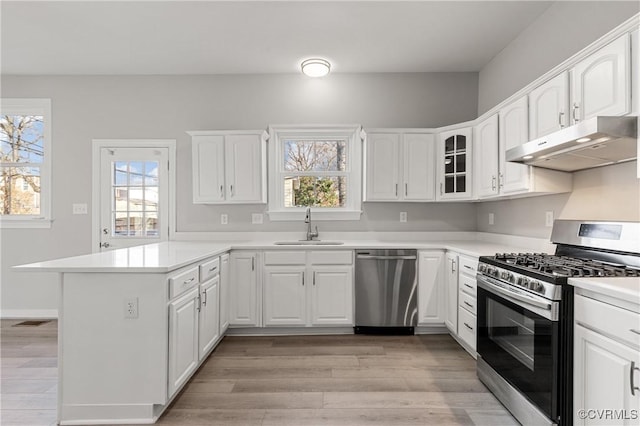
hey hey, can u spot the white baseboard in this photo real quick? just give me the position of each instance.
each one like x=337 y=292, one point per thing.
x=29 y=313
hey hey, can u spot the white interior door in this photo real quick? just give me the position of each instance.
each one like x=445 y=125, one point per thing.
x=133 y=196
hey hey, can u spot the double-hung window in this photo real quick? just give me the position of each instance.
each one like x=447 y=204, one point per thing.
x=25 y=163
x=318 y=167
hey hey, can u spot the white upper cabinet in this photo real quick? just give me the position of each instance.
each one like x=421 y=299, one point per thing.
x=486 y=168
x=549 y=106
x=229 y=167
x=400 y=166
x=383 y=166
x=454 y=164
x=513 y=131
x=601 y=83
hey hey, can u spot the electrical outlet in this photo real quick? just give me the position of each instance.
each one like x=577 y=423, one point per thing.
x=131 y=307
x=79 y=209
x=548 y=219
x=257 y=218
x=492 y=219
x=403 y=216
x=224 y=219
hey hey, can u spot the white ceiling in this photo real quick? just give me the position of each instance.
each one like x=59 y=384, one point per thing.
x=239 y=37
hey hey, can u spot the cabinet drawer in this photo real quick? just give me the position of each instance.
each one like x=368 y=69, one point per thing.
x=209 y=269
x=183 y=281
x=611 y=320
x=467 y=302
x=468 y=285
x=468 y=265
x=285 y=257
x=467 y=327
x=331 y=257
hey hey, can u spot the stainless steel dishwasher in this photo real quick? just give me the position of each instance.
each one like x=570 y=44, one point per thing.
x=386 y=291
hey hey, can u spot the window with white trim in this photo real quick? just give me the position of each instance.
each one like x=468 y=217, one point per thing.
x=318 y=167
x=25 y=163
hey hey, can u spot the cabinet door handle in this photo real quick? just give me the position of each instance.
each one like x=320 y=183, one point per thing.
x=253 y=263
x=231 y=190
x=561 y=119
x=634 y=331
x=396 y=189
x=453 y=265
x=314 y=277
x=468 y=326
x=199 y=302
x=468 y=304
x=303 y=279
x=631 y=370
x=204 y=302
x=576 y=107
x=406 y=189
x=440 y=188
x=221 y=191
x=468 y=286
x=493 y=183
x=500 y=180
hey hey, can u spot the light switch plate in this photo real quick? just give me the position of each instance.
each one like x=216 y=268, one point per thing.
x=492 y=219
x=257 y=218
x=224 y=219
x=548 y=219
x=403 y=216
x=80 y=208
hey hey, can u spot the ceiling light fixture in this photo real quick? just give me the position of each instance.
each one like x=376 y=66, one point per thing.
x=315 y=67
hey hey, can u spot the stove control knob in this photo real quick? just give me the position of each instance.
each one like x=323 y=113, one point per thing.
x=525 y=282
x=507 y=276
x=539 y=288
x=482 y=267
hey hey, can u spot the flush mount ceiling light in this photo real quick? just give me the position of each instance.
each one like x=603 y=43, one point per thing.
x=315 y=67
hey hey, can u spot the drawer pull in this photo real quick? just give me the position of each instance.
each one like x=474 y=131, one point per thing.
x=468 y=286
x=634 y=331
x=213 y=269
x=468 y=304
x=468 y=267
x=631 y=370
x=468 y=326
x=190 y=280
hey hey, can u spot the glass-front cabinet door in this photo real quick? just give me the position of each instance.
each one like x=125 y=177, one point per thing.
x=454 y=165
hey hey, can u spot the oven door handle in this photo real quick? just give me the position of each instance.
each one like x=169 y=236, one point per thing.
x=539 y=306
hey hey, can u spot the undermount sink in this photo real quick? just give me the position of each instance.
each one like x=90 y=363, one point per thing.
x=308 y=243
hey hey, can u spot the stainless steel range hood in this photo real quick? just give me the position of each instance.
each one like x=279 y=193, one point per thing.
x=598 y=141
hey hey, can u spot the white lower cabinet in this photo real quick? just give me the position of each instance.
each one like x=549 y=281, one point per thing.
x=308 y=288
x=332 y=295
x=467 y=290
x=285 y=295
x=209 y=322
x=183 y=338
x=431 y=300
x=243 y=292
x=451 y=292
x=224 y=293
x=606 y=363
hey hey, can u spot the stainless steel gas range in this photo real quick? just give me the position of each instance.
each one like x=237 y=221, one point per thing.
x=525 y=315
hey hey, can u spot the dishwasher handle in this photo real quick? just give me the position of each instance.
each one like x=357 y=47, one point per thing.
x=366 y=256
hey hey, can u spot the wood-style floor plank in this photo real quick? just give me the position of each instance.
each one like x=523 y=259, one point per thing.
x=346 y=380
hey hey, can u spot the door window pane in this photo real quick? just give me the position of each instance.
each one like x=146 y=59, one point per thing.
x=135 y=199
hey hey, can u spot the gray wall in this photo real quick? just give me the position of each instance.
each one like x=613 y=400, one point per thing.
x=561 y=31
x=86 y=108
x=604 y=193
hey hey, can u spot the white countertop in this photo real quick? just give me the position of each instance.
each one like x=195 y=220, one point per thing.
x=168 y=256
x=622 y=288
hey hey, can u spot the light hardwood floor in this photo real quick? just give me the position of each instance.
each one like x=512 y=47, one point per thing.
x=309 y=380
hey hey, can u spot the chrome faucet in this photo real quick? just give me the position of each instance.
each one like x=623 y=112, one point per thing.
x=307 y=219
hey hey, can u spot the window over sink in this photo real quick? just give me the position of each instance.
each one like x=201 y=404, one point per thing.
x=317 y=167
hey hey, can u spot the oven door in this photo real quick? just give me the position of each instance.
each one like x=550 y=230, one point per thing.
x=518 y=336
